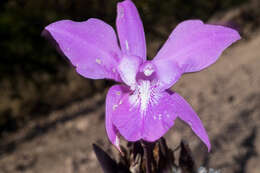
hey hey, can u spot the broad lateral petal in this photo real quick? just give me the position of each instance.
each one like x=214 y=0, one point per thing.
x=130 y=30
x=114 y=95
x=188 y=115
x=195 y=45
x=91 y=46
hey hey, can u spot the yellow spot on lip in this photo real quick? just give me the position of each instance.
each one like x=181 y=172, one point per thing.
x=118 y=93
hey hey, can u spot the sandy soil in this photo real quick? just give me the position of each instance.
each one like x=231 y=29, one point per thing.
x=226 y=96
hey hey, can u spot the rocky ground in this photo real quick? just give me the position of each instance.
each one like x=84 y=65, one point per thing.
x=226 y=96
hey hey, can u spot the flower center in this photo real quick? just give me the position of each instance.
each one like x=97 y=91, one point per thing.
x=145 y=93
x=147 y=68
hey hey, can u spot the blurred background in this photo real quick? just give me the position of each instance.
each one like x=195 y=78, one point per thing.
x=50 y=116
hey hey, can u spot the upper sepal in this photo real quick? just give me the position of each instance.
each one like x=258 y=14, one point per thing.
x=130 y=30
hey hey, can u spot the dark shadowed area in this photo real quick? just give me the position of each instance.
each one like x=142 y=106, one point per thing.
x=50 y=116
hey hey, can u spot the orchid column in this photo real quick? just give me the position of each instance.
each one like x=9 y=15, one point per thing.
x=141 y=106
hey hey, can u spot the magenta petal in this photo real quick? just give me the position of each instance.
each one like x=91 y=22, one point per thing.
x=128 y=68
x=159 y=118
x=168 y=72
x=114 y=95
x=91 y=46
x=188 y=115
x=135 y=123
x=127 y=119
x=130 y=30
x=195 y=46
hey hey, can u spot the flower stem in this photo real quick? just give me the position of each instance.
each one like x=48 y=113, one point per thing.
x=148 y=155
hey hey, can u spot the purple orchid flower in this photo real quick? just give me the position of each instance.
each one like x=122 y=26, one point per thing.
x=141 y=107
